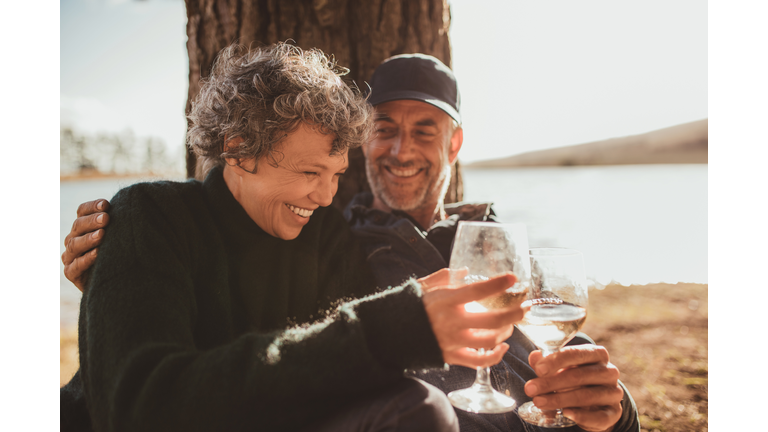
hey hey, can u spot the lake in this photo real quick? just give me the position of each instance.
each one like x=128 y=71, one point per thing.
x=635 y=224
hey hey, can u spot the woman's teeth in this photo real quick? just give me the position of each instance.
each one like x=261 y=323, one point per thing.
x=300 y=211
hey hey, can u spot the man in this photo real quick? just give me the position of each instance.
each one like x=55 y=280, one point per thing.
x=407 y=230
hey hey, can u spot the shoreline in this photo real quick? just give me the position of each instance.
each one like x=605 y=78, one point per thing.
x=107 y=176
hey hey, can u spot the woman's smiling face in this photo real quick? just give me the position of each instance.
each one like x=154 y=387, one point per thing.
x=281 y=199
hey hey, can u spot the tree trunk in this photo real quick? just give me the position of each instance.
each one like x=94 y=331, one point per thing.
x=359 y=34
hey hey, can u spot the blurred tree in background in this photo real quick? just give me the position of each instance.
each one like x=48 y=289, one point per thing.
x=359 y=34
x=74 y=150
x=114 y=154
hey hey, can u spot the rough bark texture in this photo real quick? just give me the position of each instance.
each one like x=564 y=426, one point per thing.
x=360 y=34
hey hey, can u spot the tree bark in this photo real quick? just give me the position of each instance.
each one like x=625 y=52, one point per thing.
x=359 y=34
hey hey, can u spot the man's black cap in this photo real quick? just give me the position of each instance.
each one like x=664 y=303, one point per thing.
x=418 y=77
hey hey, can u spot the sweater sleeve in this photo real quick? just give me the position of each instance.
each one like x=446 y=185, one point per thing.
x=142 y=368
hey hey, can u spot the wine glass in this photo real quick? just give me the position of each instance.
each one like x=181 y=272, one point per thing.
x=558 y=298
x=488 y=249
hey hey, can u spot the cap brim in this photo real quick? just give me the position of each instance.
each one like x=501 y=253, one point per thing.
x=418 y=96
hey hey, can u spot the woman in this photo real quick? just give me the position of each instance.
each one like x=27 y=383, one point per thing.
x=242 y=302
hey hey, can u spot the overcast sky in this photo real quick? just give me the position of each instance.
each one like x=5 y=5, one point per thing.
x=532 y=75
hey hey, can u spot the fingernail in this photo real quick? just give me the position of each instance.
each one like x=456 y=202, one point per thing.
x=100 y=218
x=96 y=234
x=94 y=252
x=531 y=389
x=100 y=205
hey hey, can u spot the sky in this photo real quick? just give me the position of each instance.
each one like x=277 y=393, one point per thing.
x=541 y=74
x=532 y=75
x=124 y=65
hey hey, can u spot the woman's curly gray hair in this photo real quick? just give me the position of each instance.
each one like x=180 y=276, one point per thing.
x=261 y=95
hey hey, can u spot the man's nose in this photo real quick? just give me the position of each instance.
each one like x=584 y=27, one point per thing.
x=401 y=146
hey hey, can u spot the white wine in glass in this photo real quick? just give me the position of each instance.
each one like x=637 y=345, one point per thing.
x=558 y=299
x=488 y=249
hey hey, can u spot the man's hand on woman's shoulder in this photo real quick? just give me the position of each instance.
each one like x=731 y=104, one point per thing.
x=81 y=244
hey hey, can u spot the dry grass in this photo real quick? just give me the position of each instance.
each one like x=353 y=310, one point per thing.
x=68 y=354
x=656 y=334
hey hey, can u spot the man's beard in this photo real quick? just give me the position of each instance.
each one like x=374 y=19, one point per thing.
x=436 y=183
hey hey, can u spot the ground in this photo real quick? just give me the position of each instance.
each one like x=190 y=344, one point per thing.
x=657 y=337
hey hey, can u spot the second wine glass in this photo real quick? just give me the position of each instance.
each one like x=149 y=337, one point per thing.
x=558 y=297
x=488 y=249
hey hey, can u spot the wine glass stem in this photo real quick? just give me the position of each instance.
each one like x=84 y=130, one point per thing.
x=483 y=377
x=558 y=411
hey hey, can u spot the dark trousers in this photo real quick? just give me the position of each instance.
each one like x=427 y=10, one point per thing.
x=410 y=405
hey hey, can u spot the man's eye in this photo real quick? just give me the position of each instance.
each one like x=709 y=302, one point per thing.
x=310 y=173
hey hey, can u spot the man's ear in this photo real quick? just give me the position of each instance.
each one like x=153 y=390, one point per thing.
x=456 y=140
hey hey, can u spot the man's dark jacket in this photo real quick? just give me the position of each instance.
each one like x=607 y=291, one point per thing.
x=397 y=248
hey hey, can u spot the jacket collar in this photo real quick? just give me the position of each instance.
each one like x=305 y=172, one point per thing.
x=359 y=210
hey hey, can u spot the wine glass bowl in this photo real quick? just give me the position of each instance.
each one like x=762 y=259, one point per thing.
x=487 y=249
x=558 y=296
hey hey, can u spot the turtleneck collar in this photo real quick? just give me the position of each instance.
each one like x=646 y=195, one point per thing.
x=231 y=216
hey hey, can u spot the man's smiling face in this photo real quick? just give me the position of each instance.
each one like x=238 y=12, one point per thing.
x=408 y=160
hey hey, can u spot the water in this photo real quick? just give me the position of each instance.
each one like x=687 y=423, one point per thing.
x=635 y=224
x=71 y=195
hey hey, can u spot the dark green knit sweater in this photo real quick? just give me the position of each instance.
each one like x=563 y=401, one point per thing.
x=197 y=320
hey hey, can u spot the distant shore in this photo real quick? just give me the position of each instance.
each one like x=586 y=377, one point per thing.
x=657 y=335
x=96 y=175
x=680 y=144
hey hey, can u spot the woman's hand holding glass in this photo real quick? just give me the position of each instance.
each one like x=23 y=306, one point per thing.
x=491 y=269
x=461 y=334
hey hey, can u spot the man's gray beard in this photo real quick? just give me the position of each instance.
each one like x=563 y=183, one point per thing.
x=419 y=199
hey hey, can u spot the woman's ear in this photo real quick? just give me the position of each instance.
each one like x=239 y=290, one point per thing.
x=231 y=144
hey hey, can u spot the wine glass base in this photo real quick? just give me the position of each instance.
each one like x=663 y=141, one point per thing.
x=548 y=419
x=480 y=400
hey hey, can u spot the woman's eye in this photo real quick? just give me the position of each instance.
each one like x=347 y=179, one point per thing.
x=310 y=173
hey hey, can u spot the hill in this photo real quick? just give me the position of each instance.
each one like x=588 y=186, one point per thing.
x=685 y=143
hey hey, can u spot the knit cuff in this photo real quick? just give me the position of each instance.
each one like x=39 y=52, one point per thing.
x=397 y=329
